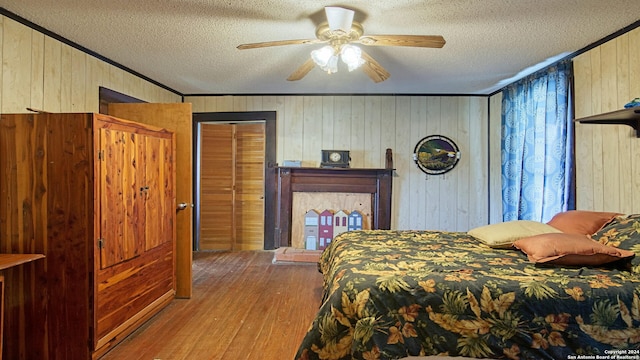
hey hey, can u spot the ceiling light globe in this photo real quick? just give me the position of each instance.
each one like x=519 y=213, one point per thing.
x=322 y=56
x=352 y=56
x=332 y=65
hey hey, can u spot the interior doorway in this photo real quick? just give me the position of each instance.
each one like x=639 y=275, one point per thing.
x=231 y=186
x=234 y=182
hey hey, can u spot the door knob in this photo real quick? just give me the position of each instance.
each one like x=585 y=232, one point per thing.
x=182 y=206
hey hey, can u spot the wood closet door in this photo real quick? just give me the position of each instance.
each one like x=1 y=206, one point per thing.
x=216 y=187
x=232 y=187
x=249 y=185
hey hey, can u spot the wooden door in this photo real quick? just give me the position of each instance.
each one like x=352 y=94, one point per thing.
x=232 y=186
x=216 y=187
x=176 y=117
x=249 y=185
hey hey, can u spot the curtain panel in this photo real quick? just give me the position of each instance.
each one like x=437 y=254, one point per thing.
x=537 y=145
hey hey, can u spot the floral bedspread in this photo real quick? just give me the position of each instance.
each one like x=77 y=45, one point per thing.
x=392 y=294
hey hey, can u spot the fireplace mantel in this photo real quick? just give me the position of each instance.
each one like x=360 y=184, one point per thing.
x=376 y=182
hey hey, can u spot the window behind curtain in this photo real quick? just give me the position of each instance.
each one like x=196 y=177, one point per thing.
x=537 y=145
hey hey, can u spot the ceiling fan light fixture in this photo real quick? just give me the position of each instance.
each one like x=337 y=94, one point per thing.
x=339 y=31
x=352 y=56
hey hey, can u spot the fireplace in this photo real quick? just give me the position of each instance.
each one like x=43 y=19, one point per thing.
x=374 y=182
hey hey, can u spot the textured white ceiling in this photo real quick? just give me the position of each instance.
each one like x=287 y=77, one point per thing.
x=190 y=45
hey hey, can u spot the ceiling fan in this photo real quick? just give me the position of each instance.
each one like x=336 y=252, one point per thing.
x=340 y=32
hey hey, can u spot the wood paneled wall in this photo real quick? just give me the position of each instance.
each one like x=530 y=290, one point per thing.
x=607 y=156
x=43 y=73
x=368 y=125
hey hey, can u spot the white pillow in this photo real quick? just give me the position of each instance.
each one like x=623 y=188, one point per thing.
x=502 y=235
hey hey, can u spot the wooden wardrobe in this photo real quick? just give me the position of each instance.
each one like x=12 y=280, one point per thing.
x=95 y=195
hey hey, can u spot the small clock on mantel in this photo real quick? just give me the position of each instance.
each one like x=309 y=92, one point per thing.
x=335 y=159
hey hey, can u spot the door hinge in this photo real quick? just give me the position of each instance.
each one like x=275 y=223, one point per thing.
x=100 y=154
x=100 y=243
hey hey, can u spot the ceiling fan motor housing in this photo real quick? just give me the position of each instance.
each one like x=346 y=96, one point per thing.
x=339 y=37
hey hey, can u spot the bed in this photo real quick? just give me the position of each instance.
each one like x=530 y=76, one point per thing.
x=394 y=294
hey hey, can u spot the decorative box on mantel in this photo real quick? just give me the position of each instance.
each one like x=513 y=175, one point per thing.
x=376 y=182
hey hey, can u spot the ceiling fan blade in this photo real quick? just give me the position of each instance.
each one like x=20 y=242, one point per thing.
x=339 y=18
x=302 y=70
x=278 y=43
x=373 y=69
x=430 y=41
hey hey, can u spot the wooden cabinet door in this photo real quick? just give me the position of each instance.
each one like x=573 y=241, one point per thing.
x=136 y=190
x=120 y=235
x=156 y=193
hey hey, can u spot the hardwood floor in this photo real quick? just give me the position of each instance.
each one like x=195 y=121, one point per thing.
x=243 y=307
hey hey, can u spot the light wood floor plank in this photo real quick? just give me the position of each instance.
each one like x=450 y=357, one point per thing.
x=243 y=307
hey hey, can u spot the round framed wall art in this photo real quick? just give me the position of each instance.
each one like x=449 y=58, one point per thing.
x=436 y=154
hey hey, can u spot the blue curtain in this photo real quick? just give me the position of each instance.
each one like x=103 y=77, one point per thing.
x=537 y=145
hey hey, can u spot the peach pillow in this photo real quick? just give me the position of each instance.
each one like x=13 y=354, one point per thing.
x=502 y=235
x=569 y=249
x=581 y=221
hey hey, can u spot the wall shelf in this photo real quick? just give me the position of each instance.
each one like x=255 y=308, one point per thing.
x=630 y=117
